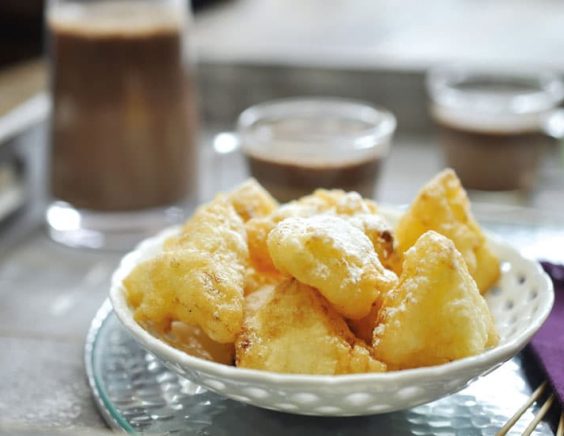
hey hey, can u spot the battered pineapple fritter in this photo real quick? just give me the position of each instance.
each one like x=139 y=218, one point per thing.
x=292 y=329
x=347 y=205
x=199 y=277
x=443 y=206
x=436 y=314
x=333 y=256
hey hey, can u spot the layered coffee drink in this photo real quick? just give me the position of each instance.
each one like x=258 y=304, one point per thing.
x=123 y=125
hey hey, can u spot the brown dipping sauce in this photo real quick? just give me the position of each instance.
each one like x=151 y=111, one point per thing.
x=494 y=160
x=123 y=126
x=290 y=180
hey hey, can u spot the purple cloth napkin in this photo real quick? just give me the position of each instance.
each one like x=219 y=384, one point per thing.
x=548 y=344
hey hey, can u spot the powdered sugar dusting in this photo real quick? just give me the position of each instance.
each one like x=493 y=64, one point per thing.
x=340 y=233
x=370 y=223
x=337 y=232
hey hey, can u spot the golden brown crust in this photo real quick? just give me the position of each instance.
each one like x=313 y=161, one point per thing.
x=292 y=329
x=443 y=206
x=251 y=200
x=363 y=328
x=348 y=205
x=436 y=313
x=333 y=256
x=199 y=277
x=202 y=293
x=194 y=341
x=255 y=280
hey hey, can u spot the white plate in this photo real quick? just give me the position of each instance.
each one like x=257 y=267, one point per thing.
x=520 y=303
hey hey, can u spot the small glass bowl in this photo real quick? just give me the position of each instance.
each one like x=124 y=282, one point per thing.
x=294 y=146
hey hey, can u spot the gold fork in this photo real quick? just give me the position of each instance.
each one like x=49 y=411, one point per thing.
x=538 y=417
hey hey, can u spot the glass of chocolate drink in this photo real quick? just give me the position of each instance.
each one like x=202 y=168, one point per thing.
x=123 y=125
x=293 y=146
x=493 y=123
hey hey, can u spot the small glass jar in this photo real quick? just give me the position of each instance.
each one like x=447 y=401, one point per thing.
x=493 y=123
x=123 y=124
x=293 y=146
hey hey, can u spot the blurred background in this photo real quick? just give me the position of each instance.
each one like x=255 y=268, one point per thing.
x=383 y=33
x=363 y=33
x=246 y=52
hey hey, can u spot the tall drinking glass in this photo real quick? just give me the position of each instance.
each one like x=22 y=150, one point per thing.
x=123 y=129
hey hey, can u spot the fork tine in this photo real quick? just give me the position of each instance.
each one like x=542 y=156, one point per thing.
x=536 y=394
x=539 y=415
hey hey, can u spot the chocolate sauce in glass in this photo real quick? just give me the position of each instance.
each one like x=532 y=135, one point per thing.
x=493 y=137
x=123 y=127
x=294 y=154
x=494 y=160
x=290 y=180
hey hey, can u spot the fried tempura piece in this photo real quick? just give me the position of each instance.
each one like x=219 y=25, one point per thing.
x=251 y=200
x=257 y=235
x=335 y=257
x=255 y=280
x=259 y=228
x=199 y=277
x=292 y=329
x=335 y=202
x=436 y=314
x=363 y=328
x=380 y=234
x=443 y=206
x=192 y=340
x=339 y=201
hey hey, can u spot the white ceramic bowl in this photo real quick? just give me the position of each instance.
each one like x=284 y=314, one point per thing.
x=520 y=304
